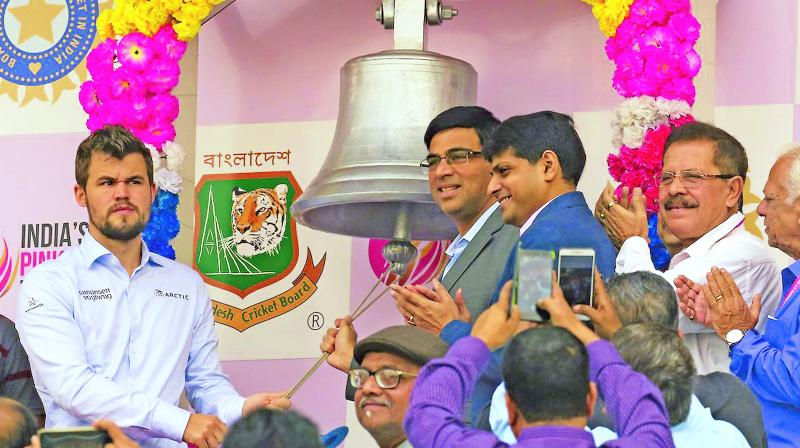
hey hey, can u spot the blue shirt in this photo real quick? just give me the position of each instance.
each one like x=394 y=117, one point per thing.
x=103 y=344
x=457 y=247
x=770 y=364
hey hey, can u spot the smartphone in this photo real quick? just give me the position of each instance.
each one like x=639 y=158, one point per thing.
x=532 y=281
x=576 y=276
x=83 y=437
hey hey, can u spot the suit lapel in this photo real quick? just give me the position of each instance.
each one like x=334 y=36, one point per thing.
x=474 y=248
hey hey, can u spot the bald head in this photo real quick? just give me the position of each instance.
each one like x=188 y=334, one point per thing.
x=17 y=425
x=780 y=206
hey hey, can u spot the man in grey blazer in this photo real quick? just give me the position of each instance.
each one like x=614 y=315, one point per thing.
x=459 y=178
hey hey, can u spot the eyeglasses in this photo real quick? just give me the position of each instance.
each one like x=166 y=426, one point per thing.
x=689 y=178
x=386 y=378
x=454 y=157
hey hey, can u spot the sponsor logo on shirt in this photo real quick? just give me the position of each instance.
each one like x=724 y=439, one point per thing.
x=33 y=304
x=170 y=295
x=95 y=295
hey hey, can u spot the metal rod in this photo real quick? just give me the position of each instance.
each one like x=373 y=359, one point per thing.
x=360 y=309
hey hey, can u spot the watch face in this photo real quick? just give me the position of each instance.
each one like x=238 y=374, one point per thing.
x=734 y=336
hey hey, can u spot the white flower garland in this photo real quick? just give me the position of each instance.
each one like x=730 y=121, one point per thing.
x=634 y=116
x=167 y=178
x=175 y=155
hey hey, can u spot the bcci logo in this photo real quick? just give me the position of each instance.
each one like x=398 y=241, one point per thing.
x=42 y=41
x=8 y=269
x=246 y=239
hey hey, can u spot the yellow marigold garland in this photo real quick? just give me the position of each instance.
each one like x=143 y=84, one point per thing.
x=610 y=14
x=147 y=17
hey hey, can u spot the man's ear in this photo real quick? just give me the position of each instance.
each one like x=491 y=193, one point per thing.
x=735 y=191
x=153 y=190
x=551 y=166
x=512 y=410
x=591 y=399
x=80 y=195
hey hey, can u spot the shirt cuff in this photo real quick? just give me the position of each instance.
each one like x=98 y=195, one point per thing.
x=170 y=421
x=633 y=249
x=454 y=331
x=232 y=410
x=747 y=341
x=471 y=350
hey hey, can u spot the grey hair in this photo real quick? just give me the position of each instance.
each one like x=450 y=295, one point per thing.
x=659 y=353
x=643 y=297
x=792 y=180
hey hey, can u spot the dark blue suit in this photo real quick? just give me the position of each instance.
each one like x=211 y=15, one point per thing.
x=565 y=222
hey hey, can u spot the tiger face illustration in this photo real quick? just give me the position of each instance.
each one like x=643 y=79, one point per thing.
x=258 y=219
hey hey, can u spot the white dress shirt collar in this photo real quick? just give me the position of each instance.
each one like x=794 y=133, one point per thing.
x=476 y=227
x=92 y=250
x=459 y=244
x=530 y=220
x=712 y=237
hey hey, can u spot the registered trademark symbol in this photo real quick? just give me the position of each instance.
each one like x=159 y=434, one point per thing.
x=315 y=320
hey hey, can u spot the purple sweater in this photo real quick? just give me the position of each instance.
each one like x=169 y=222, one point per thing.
x=434 y=415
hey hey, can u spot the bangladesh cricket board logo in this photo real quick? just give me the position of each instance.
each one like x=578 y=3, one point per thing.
x=245 y=240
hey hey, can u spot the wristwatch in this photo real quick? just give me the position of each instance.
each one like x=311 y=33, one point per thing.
x=732 y=337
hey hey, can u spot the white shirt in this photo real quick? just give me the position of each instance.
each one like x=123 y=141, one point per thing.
x=727 y=246
x=699 y=430
x=103 y=344
x=532 y=218
x=457 y=247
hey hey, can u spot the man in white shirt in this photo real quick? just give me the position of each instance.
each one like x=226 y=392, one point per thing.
x=114 y=331
x=700 y=197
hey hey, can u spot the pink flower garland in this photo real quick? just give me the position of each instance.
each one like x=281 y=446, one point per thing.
x=131 y=84
x=653 y=50
x=641 y=167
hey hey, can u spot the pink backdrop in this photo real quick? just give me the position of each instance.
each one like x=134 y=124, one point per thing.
x=280 y=61
x=270 y=61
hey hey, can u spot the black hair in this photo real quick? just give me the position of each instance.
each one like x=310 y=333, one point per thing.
x=275 y=429
x=115 y=141
x=529 y=136
x=471 y=117
x=546 y=371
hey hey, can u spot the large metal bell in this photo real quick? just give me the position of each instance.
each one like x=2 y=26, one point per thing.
x=371 y=175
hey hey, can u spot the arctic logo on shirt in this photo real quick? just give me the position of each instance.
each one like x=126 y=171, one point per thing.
x=33 y=304
x=170 y=295
x=96 y=294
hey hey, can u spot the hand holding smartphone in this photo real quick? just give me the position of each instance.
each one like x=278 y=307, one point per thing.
x=576 y=276
x=532 y=282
